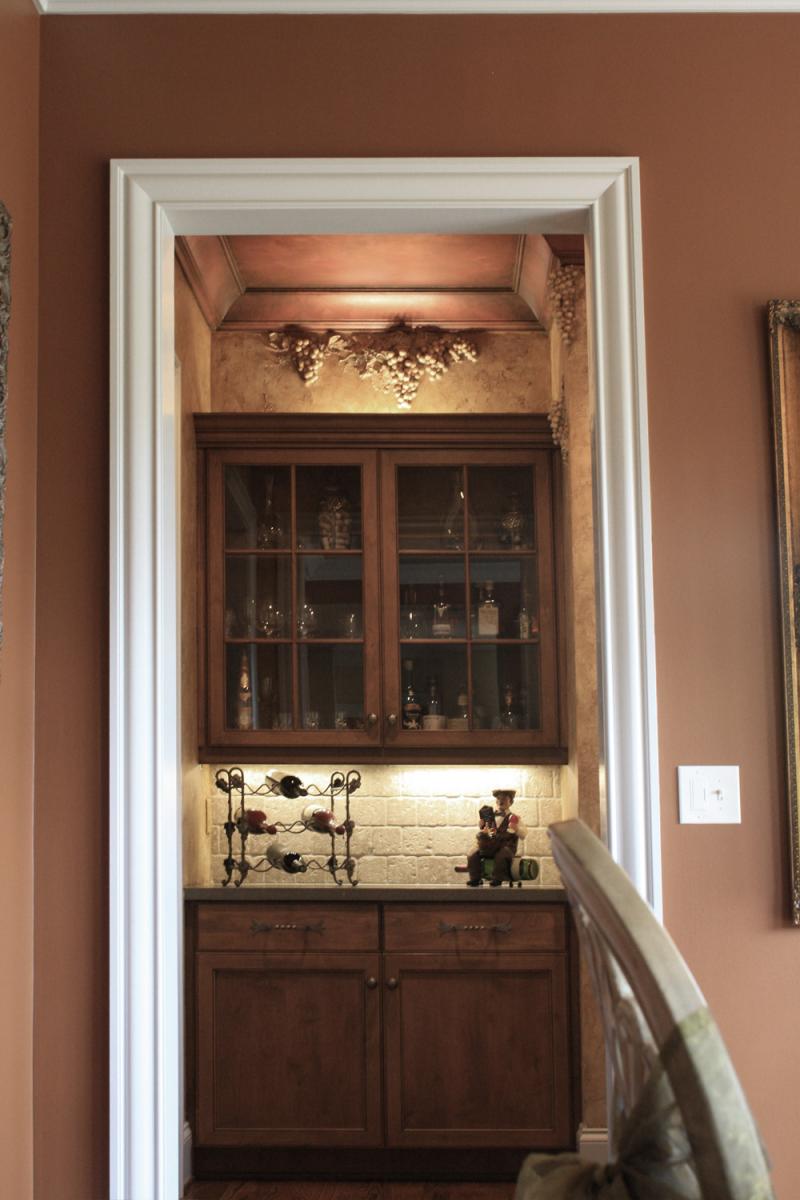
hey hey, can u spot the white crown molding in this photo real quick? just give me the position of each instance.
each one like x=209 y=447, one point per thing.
x=151 y=202
x=409 y=7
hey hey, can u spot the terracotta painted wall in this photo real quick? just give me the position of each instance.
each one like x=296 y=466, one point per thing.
x=709 y=104
x=19 y=168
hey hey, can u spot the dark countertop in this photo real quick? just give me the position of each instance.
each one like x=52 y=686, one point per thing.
x=387 y=893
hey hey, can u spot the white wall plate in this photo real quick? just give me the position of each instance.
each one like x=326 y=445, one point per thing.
x=709 y=796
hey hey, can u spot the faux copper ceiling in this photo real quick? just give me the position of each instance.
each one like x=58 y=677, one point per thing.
x=367 y=281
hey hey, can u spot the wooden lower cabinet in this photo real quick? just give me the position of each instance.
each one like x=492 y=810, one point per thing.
x=462 y=1040
x=289 y=1049
x=476 y=1050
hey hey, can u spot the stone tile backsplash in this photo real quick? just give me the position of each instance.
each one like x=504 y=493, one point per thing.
x=413 y=824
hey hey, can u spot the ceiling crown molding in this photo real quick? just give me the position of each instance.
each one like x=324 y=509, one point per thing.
x=409 y=7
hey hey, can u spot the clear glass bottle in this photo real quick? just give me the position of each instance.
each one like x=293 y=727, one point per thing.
x=508 y=713
x=411 y=621
x=434 y=699
x=412 y=709
x=462 y=703
x=442 y=621
x=269 y=534
x=488 y=613
x=524 y=621
x=453 y=528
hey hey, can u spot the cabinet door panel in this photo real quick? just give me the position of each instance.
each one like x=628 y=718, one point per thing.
x=477 y=1050
x=291 y=599
x=469 y=599
x=288 y=1049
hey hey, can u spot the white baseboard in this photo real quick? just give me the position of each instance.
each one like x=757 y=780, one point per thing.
x=186 y=1163
x=593 y=1144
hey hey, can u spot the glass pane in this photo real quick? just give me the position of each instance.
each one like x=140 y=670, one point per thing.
x=504 y=599
x=258 y=596
x=257 y=507
x=430 y=508
x=434 y=687
x=258 y=687
x=329 y=601
x=505 y=687
x=501 y=508
x=432 y=597
x=331 y=686
x=328 y=508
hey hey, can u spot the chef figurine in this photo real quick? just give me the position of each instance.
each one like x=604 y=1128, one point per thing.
x=498 y=836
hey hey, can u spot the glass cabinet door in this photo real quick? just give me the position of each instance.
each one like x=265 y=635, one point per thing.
x=293 y=621
x=469 y=604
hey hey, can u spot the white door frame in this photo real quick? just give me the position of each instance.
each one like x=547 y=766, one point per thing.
x=151 y=202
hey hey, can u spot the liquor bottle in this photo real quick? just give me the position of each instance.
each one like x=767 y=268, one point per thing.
x=411 y=620
x=442 y=624
x=286 y=860
x=508 y=713
x=434 y=699
x=288 y=785
x=244 y=701
x=462 y=703
x=512 y=528
x=314 y=816
x=524 y=621
x=412 y=709
x=453 y=529
x=488 y=613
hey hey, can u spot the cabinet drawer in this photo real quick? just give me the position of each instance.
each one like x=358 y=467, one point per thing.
x=246 y=926
x=471 y=927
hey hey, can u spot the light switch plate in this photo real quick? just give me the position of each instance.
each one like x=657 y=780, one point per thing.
x=709 y=796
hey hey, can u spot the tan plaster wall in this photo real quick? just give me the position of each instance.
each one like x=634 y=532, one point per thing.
x=193 y=351
x=511 y=375
x=19 y=149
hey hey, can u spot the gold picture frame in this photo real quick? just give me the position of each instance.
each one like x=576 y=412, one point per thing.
x=784 y=335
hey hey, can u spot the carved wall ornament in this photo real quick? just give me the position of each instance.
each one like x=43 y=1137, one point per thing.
x=784 y=312
x=557 y=416
x=5 y=312
x=563 y=292
x=396 y=361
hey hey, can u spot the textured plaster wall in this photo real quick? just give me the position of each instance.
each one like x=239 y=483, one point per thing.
x=413 y=824
x=193 y=351
x=511 y=375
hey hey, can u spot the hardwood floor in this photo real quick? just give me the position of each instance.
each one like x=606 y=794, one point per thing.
x=349 y=1191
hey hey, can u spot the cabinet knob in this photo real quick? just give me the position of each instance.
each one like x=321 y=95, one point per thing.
x=391 y=983
x=391 y=720
x=372 y=720
x=372 y=983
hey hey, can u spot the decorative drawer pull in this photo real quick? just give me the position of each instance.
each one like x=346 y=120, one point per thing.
x=372 y=983
x=268 y=927
x=392 y=983
x=447 y=927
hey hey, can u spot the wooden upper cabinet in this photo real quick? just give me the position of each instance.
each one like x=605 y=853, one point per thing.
x=383 y=586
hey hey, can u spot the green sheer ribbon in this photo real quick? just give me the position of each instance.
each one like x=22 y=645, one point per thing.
x=654 y=1157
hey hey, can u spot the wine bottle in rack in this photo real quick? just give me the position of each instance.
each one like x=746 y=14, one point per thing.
x=286 y=860
x=288 y=785
x=316 y=816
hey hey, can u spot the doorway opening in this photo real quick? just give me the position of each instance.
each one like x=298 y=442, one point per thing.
x=154 y=202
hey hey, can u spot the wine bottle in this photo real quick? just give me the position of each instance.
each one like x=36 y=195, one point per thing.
x=285 y=860
x=434 y=699
x=288 y=785
x=255 y=821
x=453 y=530
x=508 y=713
x=314 y=816
x=412 y=709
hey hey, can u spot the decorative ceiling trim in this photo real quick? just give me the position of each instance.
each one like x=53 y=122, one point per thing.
x=409 y=7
